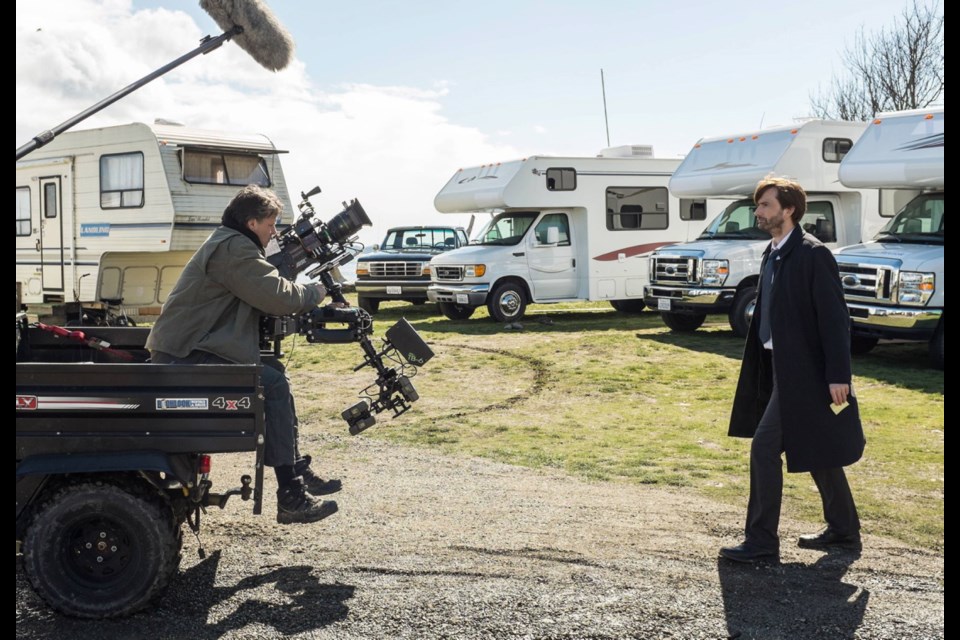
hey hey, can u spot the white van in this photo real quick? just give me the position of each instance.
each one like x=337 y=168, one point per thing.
x=148 y=194
x=563 y=229
x=718 y=272
x=894 y=284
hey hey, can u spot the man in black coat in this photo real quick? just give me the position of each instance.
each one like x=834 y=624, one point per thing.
x=794 y=395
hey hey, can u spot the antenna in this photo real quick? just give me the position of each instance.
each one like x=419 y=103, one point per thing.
x=606 y=122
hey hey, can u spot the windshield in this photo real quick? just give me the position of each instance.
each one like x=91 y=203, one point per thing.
x=737 y=221
x=420 y=240
x=920 y=221
x=506 y=228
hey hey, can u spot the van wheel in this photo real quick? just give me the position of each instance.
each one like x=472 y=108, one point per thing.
x=683 y=322
x=456 y=311
x=370 y=305
x=741 y=312
x=860 y=345
x=628 y=306
x=507 y=303
x=936 y=346
x=95 y=550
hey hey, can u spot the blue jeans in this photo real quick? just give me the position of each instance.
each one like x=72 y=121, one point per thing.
x=280 y=445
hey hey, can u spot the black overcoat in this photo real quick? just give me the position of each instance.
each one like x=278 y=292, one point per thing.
x=811 y=338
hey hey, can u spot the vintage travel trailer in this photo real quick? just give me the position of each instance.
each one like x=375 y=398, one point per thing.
x=894 y=283
x=718 y=272
x=564 y=228
x=146 y=194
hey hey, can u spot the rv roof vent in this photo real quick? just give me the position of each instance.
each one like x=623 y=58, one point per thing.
x=627 y=151
x=169 y=123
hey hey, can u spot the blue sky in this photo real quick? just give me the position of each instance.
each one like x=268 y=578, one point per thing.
x=386 y=100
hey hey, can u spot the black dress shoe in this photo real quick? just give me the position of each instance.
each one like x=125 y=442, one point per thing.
x=749 y=553
x=828 y=538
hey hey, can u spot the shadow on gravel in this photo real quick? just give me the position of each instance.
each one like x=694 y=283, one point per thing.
x=287 y=599
x=792 y=601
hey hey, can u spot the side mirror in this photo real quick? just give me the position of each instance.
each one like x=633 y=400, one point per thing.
x=375 y=246
x=553 y=235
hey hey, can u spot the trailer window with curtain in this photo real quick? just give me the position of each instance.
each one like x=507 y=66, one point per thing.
x=23 y=211
x=215 y=167
x=121 y=181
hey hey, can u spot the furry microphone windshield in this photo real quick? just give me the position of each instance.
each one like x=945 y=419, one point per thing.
x=263 y=37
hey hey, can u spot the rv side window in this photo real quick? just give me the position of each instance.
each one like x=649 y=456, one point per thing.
x=214 y=167
x=835 y=148
x=23 y=211
x=818 y=220
x=637 y=208
x=561 y=179
x=121 y=181
x=693 y=209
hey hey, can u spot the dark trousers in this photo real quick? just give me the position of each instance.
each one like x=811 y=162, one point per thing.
x=280 y=444
x=766 y=485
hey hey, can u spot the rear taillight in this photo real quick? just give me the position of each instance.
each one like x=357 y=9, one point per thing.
x=204 y=466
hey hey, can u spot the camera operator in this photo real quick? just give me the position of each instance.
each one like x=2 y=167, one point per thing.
x=212 y=316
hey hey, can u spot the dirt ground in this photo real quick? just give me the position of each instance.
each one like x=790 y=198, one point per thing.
x=430 y=546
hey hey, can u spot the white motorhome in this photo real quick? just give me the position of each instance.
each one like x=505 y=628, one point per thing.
x=564 y=229
x=718 y=272
x=894 y=284
x=147 y=194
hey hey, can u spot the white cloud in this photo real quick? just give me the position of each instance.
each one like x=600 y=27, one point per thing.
x=390 y=147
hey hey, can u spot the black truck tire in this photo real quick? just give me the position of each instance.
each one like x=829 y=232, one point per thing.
x=741 y=311
x=370 y=305
x=936 y=347
x=456 y=311
x=860 y=345
x=683 y=322
x=507 y=303
x=628 y=306
x=95 y=550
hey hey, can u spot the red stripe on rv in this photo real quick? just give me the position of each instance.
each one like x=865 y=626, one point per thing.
x=629 y=252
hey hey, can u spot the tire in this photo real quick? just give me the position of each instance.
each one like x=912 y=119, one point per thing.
x=682 y=322
x=370 y=305
x=507 y=303
x=862 y=344
x=741 y=312
x=456 y=311
x=94 y=550
x=635 y=305
x=936 y=346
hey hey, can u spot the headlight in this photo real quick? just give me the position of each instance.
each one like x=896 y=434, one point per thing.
x=425 y=270
x=474 y=270
x=363 y=269
x=915 y=288
x=715 y=272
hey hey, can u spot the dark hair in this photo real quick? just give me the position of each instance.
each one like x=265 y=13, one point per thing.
x=789 y=194
x=251 y=203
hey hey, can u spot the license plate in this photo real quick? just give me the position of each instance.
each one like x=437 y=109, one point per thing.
x=663 y=304
x=394 y=291
x=463 y=298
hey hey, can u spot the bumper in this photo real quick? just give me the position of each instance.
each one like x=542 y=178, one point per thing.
x=473 y=295
x=676 y=299
x=392 y=289
x=894 y=321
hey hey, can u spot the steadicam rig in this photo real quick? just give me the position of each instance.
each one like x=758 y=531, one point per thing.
x=318 y=248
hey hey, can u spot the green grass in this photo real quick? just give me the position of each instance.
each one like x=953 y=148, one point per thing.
x=619 y=398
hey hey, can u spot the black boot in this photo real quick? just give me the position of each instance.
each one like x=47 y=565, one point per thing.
x=296 y=505
x=315 y=484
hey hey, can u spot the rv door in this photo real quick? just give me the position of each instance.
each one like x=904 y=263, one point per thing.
x=51 y=236
x=551 y=257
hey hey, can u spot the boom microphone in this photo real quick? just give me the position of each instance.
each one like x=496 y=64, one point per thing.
x=263 y=37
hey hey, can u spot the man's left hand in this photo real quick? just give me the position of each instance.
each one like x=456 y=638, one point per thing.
x=839 y=393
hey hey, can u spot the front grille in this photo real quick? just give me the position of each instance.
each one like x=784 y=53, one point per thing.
x=867 y=282
x=674 y=270
x=395 y=269
x=448 y=273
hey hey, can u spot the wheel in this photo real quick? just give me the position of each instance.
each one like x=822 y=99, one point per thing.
x=683 y=322
x=507 y=303
x=95 y=550
x=862 y=344
x=456 y=311
x=741 y=312
x=370 y=305
x=628 y=306
x=936 y=346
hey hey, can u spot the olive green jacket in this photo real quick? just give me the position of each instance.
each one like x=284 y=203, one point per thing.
x=217 y=302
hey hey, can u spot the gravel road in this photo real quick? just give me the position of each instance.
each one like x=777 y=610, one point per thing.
x=430 y=546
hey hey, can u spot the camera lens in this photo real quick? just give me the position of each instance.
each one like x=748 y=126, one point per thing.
x=348 y=222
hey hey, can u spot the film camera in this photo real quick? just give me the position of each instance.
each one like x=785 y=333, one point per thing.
x=317 y=248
